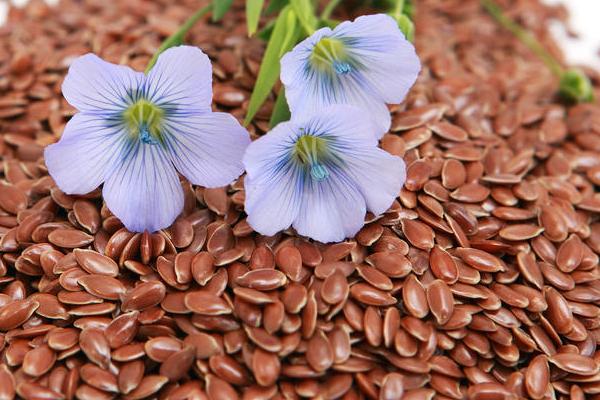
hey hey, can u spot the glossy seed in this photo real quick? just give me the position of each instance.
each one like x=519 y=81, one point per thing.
x=206 y=303
x=335 y=288
x=419 y=234
x=367 y=294
x=414 y=297
x=575 y=363
x=266 y=367
x=143 y=296
x=69 y=238
x=319 y=353
x=38 y=361
x=440 y=300
x=95 y=346
x=558 y=311
x=537 y=377
x=569 y=254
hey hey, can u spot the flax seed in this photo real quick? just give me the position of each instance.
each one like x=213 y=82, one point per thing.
x=480 y=280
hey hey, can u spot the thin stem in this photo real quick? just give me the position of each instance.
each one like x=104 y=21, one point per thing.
x=398 y=9
x=177 y=38
x=523 y=35
x=329 y=8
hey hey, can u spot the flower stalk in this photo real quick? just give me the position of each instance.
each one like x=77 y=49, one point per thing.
x=574 y=85
x=404 y=22
x=177 y=38
x=329 y=9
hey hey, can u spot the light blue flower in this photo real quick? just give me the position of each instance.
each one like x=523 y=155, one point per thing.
x=134 y=132
x=366 y=63
x=320 y=175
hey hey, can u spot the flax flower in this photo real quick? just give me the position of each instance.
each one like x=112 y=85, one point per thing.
x=366 y=63
x=320 y=175
x=134 y=132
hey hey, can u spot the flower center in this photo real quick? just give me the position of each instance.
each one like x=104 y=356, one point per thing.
x=311 y=152
x=144 y=121
x=330 y=54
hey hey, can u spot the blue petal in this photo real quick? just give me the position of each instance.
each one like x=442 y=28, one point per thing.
x=206 y=148
x=143 y=190
x=87 y=149
x=309 y=95
x=96 y=86
x=384 y=68
x=293 y=63
x=378 y=175
x=332 y=209
x=391 y=65
x=349 y=126
x=272 y=183
x=181 y=81
x=332 y=206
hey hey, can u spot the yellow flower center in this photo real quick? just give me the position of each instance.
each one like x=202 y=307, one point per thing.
x=144 y=121
x=330 y=54
x=311 y=152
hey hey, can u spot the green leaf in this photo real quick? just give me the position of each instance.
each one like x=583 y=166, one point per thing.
x=291 y=36
x=330 y=23
x=331 y=5
x=306 y=14
x=266 y=31
x=285 y=34
x=177 y=38
x=281 y=111
x=220 y=8
x=276 y=6
x=409 y=9
x=253 y=9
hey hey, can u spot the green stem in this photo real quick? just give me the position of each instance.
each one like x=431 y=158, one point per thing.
x=329 y=8
x=398 y=9
x=523 y=35
x=177 y=38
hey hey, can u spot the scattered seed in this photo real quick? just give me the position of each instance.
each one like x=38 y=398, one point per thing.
x=480 y=281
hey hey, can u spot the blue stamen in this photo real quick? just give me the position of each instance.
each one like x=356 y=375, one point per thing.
x=318 y=172
x=341 y=67
x=145 y=135
x=313 y=153
x=144 y=121
x=331 y=55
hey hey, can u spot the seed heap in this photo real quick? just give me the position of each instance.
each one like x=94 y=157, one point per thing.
x=480 y=282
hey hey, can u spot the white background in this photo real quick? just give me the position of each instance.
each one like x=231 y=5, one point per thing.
x=585 y=21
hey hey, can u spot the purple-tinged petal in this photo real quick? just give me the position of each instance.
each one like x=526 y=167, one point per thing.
x=143 y=190
x=331 y=210
x=377 y=174
x=314 y=98
x=391 y=63
x=96 y=86
x=86 y=151
x=206 y=148
x=321 y=174
x=349 y=125
x=181 y=81
x=293 y=63
x=369 y=64
x=273 y=185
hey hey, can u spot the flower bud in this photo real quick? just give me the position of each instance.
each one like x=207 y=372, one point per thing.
x=575 y=86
